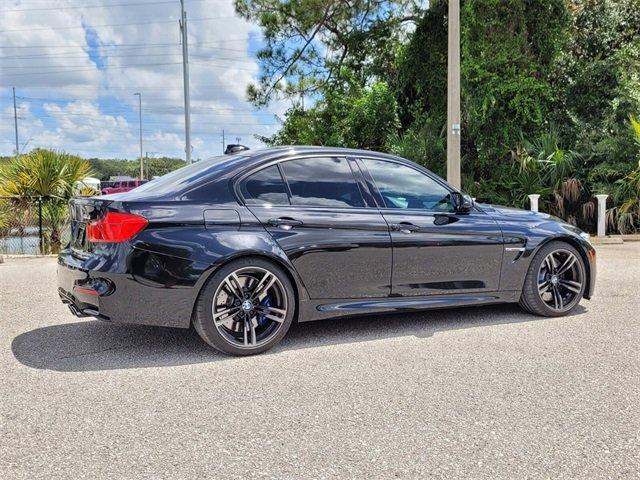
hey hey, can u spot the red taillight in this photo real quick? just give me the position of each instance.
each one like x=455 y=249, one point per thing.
x=115 y=227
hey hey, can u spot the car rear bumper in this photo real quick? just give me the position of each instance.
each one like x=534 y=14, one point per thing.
x=130 y=286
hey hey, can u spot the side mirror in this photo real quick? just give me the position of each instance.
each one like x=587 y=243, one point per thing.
x=461 y=203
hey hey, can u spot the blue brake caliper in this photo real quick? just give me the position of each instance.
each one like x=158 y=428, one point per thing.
x=265 y=303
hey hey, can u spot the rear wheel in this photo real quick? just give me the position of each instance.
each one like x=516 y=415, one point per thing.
x=246 y=307
x=555 y=282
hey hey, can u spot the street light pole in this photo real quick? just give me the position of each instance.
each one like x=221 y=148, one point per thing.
x=15 y=121
x=140 y=118
x=185 y=81
x=453 y=95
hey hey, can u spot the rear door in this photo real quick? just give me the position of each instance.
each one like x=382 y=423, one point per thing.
x=435 y=249
x=315 y=210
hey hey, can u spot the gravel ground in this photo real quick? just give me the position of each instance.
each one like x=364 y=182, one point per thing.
x=485 y=392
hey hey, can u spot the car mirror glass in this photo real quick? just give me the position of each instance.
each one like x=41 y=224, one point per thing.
x=461 y=203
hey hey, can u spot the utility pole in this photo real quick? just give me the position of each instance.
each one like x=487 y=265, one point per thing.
x=185 y=79
x=223 y=143
x=15 y=121
x=453 y=95
x=140 y=118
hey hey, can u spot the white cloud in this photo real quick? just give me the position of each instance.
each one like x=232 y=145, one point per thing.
x=71 y=102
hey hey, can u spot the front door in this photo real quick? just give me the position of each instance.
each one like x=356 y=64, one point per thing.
x=435 y=249
x=314 y=209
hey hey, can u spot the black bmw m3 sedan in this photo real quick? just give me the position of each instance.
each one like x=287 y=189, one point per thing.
x=242 y=246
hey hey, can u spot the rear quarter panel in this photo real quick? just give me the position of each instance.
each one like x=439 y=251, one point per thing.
x=175 y=255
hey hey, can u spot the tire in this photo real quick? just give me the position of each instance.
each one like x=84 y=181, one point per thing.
x=548 y=297
x=238 y=330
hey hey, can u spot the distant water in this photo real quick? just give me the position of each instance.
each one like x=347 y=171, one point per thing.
x=28 y=244
x=20 y=245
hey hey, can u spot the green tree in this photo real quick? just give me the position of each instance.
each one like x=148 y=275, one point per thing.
x=358 y=118
x=508 y=52
x=308 y=42
x=599 y=81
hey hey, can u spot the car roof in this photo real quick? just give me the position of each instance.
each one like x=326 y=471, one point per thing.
x=223 y=168
x=304 y=149
x=263 y=155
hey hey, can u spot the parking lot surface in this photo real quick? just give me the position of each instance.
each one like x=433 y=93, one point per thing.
x=486 y=392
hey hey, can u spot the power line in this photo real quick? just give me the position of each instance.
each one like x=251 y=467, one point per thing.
x=102 y=115
x=128 y=88
x=48 y=109
x=105 y=5
x=42 y=69
x=55 y=72
x=116 y=55
x=115 y=24
x=168 y=110
x=42 y=9
x=165 y=108
x=83 y=55
x=233 y=60
x=39 y=67
x=119 y=45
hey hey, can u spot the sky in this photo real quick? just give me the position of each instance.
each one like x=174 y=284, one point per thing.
x=76 y=65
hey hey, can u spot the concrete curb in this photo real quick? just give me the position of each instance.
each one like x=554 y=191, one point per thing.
x=606 y=241
x=8 y=256
x=615 y=239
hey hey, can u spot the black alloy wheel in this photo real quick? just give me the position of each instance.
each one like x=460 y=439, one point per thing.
x=555 y=282
x=246 y=307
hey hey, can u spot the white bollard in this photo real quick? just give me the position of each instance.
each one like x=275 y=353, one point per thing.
x=533 y=201
x=602 y=210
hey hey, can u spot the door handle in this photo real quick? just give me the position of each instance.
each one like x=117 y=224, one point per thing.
x=404 y=227
x=286 y=223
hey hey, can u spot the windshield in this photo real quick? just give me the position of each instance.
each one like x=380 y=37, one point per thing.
x=185 y=176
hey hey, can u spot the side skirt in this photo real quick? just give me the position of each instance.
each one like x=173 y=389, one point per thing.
x=327 y=308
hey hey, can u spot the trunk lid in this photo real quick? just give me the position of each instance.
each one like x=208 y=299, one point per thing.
x=83 y=210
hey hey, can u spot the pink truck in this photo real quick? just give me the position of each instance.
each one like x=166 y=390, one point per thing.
x=123 y=186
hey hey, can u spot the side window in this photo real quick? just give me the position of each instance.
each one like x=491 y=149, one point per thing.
x=322 y=182
x=265 y=187
x=405 y=187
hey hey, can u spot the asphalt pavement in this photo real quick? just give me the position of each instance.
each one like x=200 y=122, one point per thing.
x=480 y=393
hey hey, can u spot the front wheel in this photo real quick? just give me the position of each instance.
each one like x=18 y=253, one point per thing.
x=246 y=307
x=555 y=282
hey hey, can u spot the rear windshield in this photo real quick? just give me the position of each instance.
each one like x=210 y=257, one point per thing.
x=186 y=176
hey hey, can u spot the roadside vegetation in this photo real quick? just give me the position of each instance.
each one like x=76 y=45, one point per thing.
x=39 y=183
x=35 y=189
x=550 y=91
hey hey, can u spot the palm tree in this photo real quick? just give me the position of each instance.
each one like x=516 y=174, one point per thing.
x=43 y=173
x=551 y=170
x=626 y=215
